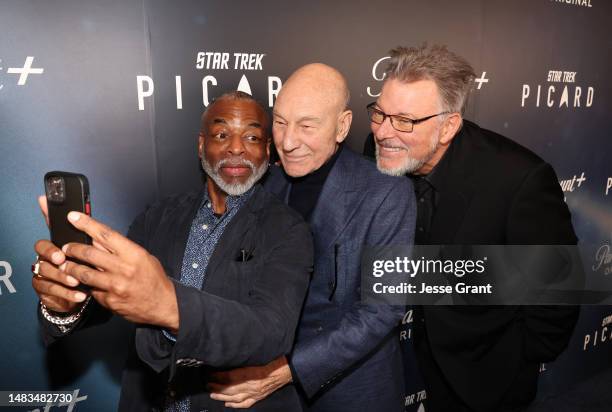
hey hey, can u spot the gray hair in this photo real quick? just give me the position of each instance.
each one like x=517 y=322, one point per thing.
x=452 y=73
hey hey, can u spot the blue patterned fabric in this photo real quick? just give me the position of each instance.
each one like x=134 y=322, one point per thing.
x=206 y=230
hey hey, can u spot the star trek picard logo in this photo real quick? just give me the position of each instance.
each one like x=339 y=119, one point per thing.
x=600 y=337
x=210 y=62
x=562 y=90
x=414 y=398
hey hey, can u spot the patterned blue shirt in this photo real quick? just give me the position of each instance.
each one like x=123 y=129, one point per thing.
x=206 y=230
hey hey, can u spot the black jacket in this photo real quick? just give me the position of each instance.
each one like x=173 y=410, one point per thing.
x=245 y=314
x=493 y=191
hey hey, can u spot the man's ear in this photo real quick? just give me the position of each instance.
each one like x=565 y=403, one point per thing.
x=451 y=126
x=344 y=125
x=201 y=140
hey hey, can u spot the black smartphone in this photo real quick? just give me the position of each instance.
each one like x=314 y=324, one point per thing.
x=67 y=192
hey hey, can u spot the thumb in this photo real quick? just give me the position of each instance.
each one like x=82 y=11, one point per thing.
x=42 y=202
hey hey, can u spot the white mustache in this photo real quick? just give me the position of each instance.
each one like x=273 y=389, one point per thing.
x=234 y=163
x=389 y=145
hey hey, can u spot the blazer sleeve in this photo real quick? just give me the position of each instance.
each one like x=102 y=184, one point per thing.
x=539 y=216
x=317 y=362
x=219 y=332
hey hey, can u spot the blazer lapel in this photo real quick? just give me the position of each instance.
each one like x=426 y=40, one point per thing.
x=452 y=182
x=337 y=203
x=277 y=182
x=238 y=233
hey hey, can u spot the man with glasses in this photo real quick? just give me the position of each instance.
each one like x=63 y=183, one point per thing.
x=473 y=187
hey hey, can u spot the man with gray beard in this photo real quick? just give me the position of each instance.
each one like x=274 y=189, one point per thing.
x=213 y=279
x=474 y=187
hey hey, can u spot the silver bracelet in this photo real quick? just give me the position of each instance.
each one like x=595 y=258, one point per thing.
x=63 y=320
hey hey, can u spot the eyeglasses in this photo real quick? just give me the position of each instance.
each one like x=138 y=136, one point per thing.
x=399 y=123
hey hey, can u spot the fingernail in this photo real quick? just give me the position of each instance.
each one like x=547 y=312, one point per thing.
x=62 y=267
x=56 y=257
x=65 y=248
x=71 y=281
x=80 y=296
x=74 y=216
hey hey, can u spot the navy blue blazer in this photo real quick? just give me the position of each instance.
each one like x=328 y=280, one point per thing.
x=347 y=355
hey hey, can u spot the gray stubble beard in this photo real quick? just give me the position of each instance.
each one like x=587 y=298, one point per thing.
x=410 y=164
x=234 y=189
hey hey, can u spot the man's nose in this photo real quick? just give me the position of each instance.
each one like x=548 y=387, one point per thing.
x=290 y=141
x=236 y=145
x=384 y=130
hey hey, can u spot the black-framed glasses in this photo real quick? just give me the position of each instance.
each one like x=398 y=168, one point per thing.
x=399 y=123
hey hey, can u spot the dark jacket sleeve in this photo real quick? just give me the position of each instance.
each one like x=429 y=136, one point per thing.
x=219 y=332
x=539 y=216
x=319 y=361
x=93 y=315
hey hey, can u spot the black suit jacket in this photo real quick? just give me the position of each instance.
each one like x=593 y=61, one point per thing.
x=245 y=314
x=492 y=191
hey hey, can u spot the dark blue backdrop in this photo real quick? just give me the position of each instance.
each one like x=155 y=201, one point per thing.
x=123 y=84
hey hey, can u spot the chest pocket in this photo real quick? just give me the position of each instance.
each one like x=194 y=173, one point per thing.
x=235 y=281
x=346 y=272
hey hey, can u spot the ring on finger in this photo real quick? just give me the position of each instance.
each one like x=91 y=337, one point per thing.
x=36 y=267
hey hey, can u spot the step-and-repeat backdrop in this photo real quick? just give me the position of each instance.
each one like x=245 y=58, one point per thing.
x=115 y=89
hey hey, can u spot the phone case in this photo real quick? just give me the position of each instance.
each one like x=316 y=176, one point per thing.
x=75 y=196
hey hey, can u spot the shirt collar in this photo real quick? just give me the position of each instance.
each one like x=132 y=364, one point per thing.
x=231 y=201
x=436 y=175
x=320 y=175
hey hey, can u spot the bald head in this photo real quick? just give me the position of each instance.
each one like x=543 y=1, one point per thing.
x=311 y=118
x=322 y=82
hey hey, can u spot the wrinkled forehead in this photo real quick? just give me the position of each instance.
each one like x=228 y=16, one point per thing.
x=239 y=112
x=409 y=96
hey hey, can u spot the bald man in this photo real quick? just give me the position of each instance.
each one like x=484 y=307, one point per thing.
x=346 y=355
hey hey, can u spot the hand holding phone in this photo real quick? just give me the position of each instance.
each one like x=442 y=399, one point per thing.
x=64 y=192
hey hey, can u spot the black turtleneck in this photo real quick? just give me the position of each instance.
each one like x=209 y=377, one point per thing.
x=305 y=190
